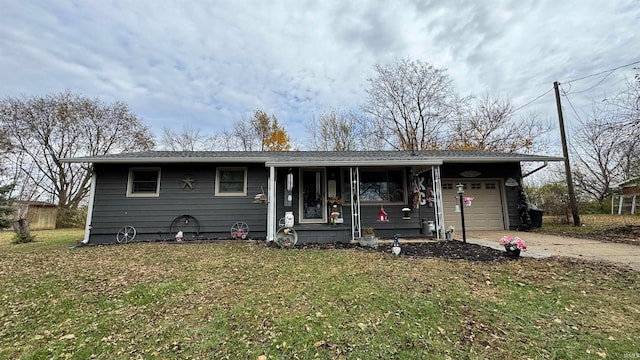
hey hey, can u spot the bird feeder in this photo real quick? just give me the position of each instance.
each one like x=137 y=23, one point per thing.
x=405 y=213
x=382 y=215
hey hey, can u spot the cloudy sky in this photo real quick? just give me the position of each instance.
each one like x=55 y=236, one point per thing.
x=207 y=63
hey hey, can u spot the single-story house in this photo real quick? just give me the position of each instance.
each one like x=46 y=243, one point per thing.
x=332 y=196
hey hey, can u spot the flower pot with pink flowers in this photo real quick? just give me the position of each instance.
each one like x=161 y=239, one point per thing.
x=513 y=245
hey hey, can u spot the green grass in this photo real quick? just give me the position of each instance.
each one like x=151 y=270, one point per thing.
x=238 y=300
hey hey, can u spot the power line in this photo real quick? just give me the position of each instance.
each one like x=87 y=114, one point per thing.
x=603 y=72
x=585 y=90
x=532 y=101
x=571 y=104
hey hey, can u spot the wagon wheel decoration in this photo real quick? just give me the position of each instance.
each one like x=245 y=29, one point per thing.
x=126 y=234
x=187 y=223
x=286 y=238
x=240 y=230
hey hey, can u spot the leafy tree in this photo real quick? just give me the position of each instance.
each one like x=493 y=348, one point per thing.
x=5 y=206
x=44 y=130
x=412 y=105
x=261 y=133
x=552 y=197
x=492 y=126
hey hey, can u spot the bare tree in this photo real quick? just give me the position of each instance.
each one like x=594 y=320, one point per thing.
x=605 y=149
x=491 y=125
x=337 y=131
x=412 y=104
x=44 y=130
x=189 y=139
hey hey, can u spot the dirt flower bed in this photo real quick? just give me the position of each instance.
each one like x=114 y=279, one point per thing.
x=451 y=250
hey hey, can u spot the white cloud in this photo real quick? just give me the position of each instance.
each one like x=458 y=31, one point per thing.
x=208 y=63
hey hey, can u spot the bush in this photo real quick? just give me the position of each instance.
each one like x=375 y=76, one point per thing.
x=22 y=239
x=71 y=218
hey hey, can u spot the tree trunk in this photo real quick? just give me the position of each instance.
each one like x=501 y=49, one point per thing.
x=21 y=227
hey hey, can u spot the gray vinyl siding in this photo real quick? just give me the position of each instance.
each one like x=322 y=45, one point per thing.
x=152 y=216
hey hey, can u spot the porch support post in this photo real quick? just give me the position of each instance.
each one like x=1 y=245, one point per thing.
x=620 y=204
x=271 y=204
x=439 y=206
x=92 y=193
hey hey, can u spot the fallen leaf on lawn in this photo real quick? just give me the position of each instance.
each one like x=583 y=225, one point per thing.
x=602 y=354
x=441 y=330
x=67 y=337
x=319 y=343
x=362 y=326
x=262 y=357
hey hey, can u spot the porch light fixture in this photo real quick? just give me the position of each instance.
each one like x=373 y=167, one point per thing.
x=406 y=215
x=460 y=193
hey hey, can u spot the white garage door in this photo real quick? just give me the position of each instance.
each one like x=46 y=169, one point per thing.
x=485 y=212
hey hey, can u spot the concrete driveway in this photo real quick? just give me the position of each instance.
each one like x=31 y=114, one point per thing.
x=541 y=246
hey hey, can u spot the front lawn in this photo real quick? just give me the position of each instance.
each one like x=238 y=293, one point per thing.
x=240 y=300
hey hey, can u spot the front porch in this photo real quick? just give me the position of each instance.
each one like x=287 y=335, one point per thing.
x=335 y=204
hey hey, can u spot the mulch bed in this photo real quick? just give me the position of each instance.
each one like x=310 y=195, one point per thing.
x=452 y=250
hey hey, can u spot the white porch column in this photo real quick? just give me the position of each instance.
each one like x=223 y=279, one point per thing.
x=87 y=226
x=271 y=204
x=439 y=206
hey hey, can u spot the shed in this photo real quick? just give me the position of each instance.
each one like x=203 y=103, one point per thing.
x=41 y=215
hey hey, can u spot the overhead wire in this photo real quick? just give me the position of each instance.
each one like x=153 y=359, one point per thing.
x=603 y=72
x=532 y=101
x=570 y=103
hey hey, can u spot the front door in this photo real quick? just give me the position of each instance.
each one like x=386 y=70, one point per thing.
x=312 y=197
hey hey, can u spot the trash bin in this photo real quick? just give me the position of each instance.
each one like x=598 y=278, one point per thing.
x=536 y=217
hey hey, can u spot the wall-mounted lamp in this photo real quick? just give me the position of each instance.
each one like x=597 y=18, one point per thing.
x=406 y=213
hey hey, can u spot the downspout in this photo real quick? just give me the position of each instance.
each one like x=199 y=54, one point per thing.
x=271 y=204
x=92 y=192
x=535 y=170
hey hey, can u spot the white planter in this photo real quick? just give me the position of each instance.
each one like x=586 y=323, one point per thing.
x=369 y=240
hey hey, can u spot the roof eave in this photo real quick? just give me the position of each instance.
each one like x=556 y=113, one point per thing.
x=322 y=163
x=501 y=159
x=167 y=160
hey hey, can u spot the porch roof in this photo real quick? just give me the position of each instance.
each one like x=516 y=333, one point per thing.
x=313 y=158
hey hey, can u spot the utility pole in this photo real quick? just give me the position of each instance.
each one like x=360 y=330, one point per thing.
x=567 y=165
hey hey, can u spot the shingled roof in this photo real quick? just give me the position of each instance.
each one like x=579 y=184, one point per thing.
x=313 y=158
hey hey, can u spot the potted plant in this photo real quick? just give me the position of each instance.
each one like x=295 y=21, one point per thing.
x=513 y=245
x=368 y=238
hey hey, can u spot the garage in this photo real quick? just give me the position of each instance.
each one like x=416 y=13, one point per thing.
x=485 y=212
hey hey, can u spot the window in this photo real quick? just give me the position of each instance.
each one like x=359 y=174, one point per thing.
x=143 y=182
x=231 y=182
x=490 y=186
x=475 y=186
x=447 y=186
x=378 y=186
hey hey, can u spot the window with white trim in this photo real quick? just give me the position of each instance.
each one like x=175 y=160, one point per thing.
x=143 y=182
x=231 y=181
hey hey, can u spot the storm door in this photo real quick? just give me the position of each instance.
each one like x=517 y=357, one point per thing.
x=312 y=197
